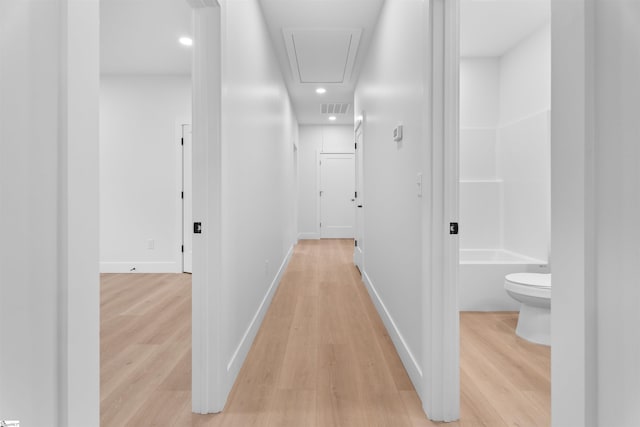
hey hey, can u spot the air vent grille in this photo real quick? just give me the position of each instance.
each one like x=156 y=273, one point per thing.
x=335 y=108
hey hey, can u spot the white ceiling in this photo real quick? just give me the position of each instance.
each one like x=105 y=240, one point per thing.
x=325 y=37
x=141 y=36
x=330 y=39
x=492 y=27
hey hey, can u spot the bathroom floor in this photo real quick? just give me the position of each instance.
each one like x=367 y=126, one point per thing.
x=505 y=380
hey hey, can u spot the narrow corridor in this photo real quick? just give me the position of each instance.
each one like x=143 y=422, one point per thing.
x=322 y=356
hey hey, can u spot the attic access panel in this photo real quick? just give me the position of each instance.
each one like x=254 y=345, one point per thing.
x=322 y=55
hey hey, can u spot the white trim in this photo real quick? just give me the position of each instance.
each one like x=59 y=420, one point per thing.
x=239 y=355
x=334 y=233
x=451 y=333
x=179 y=135
x=309 y=236
x=140 y=267
x=318 y=200
x=358 y=158
x=441 y=380
x=574 y=185
x=78 y=328
x=208 y=393
x=408 y=360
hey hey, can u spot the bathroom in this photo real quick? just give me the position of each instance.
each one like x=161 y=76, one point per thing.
x=505 y=99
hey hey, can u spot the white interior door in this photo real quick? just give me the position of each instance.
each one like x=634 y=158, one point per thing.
x=337 y=196
x=187 y=200
x=358 y=250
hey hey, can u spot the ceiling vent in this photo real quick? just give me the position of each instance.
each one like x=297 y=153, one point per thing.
x=335 y=108
x=322 y=55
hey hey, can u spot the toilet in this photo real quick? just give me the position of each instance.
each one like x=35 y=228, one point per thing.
x=533 y=291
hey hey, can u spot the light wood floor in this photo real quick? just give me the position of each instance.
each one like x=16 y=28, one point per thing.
x=321 y=358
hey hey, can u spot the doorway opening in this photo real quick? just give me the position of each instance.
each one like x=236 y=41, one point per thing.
x=504 y=199
x=187 y=199
x=337 y=195
x=358 y=251
x=145 y=115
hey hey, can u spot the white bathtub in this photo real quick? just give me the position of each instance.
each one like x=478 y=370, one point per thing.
x=481 y=279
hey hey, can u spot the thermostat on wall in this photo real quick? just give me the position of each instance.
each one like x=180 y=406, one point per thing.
x=397 y=133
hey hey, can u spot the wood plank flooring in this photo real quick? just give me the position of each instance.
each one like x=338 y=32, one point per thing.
x=322 y=357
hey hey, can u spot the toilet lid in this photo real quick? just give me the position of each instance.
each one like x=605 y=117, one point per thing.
x=530 y=279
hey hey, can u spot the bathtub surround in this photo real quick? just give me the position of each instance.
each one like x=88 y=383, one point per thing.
x=504 y=169
x=523 y=145
x=481 y=276
x=523 y=163
x=504 y=149
x=525 y=77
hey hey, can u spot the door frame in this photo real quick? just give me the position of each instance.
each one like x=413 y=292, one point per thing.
x=185 y=224
x=441 y=329
x=319 y=183
x=208 y=372
x=358 y=253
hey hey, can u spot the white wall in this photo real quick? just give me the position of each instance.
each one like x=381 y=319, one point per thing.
x=29 y=179
x=617 y=155
x=391 y=89
x=525 y=77
x=140 y=171
x=49 y=322
x=259 y=131
x=574 y=335
x=314 y=139
x=596 y=203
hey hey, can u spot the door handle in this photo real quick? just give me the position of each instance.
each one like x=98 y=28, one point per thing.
x=359 y=206
x=353 y=200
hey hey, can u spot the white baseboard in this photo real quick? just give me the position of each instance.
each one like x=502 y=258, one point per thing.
x=408 y=360
x=140 y=267
x=239 y=355
x=308 y=236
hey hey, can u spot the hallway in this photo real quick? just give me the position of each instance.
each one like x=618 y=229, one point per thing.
x=321 y=358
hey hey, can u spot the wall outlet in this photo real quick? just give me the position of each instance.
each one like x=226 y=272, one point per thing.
x=151 y=244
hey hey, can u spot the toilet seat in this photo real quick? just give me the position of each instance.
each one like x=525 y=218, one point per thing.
x=531 y=284
x=530 y=279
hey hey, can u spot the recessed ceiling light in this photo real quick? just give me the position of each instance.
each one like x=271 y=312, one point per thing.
x=332 y=118
x=321 y=90
x=186 y=41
